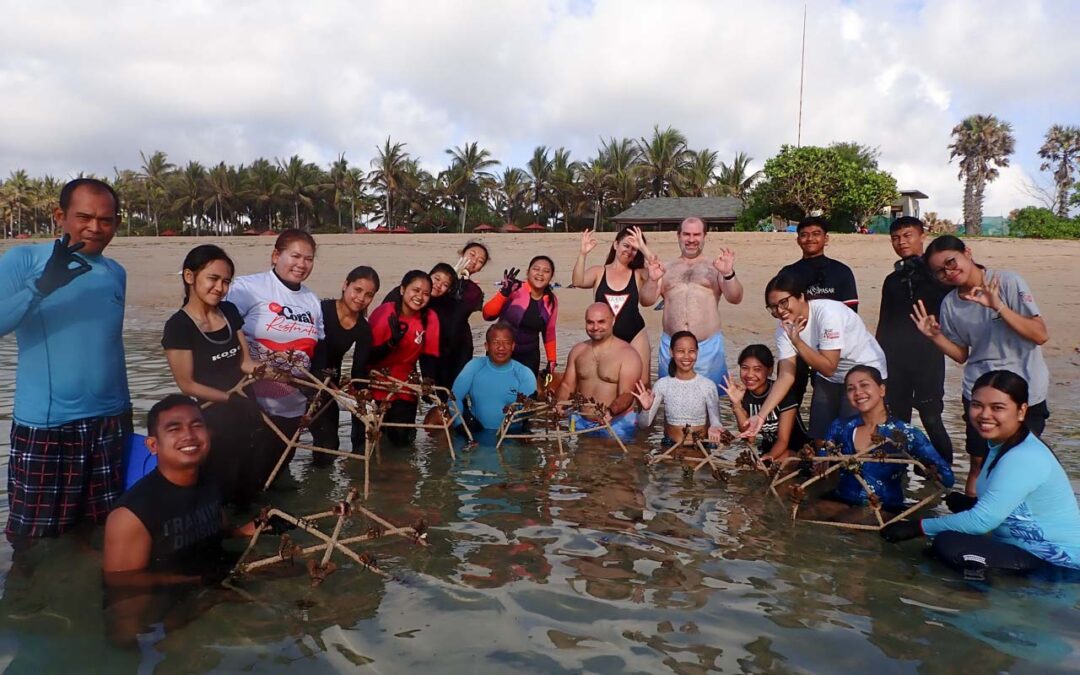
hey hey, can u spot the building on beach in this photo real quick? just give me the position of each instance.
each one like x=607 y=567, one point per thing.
x=665 y=213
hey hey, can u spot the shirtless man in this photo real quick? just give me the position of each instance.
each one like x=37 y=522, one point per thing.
x=692 y=286
x=604 y=368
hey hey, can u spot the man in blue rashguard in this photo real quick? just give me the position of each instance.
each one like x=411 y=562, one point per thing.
x=489 y=383
x=65 y=303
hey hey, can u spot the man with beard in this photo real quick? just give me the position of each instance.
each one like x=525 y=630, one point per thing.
x=692 y=286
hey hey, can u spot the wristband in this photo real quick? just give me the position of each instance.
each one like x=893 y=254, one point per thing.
x=729 y=277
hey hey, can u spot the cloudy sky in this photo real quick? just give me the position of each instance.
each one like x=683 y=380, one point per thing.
x=85 y=87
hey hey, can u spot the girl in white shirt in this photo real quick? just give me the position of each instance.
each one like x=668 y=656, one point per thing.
x=688 y=398
x=830 y=337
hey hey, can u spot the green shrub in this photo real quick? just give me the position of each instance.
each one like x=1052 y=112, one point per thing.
x=1032 y=222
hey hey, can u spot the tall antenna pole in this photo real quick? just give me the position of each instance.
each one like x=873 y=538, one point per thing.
x=802 y=70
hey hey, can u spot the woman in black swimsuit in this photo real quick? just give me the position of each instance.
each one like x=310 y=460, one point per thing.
x=616 y=283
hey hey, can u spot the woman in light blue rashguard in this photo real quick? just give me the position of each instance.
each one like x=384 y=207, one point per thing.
x=1025 y=502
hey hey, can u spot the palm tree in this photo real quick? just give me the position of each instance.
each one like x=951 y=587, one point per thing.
x=338 y=184
x=225 y=187
x=539 y=171
x=48 y=190
x=155 y=173
x=663 y=161
x=469 y=172
x=1061 y=148
x=387 y=174
x=597 y=183
x=352 y=185
x=298 y=181
x=700 y=173
x=262 y=181
x=128 y=185
x=18 y=194
x=190 y=190
x=736 y=180
x=510 y=189
x=564 y=188
x=983 y=143
x=620 y=157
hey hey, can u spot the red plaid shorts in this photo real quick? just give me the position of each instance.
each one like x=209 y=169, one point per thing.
x=58 y=475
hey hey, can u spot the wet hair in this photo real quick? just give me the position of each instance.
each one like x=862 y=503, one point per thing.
x=1005 y=381
x=906 y=221
x=873 y=372
x=813 y=221
x=476 y=244
x=547 y=289
x=292 y=235
x=198 y=258
x=759 y=352
x=445 y=268
x=94 y=184
x=499 y=325
x=363 y=272
x=411 y=276
x=638 y=261
x=682 y=334
x=788 y=282
x=170 y=402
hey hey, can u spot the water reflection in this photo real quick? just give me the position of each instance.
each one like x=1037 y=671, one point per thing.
x=540 y=562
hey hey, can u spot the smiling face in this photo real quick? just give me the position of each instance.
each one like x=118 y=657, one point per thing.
x=787 y=307
x=691 y=238
x=475 y=258
x=952 y=268
x=684 y=352
x=416 y=295
x=995 y=415
x=624 y=251
x=210 y=284
x=908 y=241
x=440 y=284
x=754 y=374
x=864 y=394
x=90 y=218
x=295 y=263
x=812 y=240
x=599 y=322
x=180 y=441
x=539 y=275
x=500 y=346
x=358 y=295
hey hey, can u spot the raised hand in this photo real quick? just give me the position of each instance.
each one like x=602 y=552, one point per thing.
x=656 y=269
x=926 y=322
x=58 y=270
x=734 y=388
x=509 y=282
x=988 y=296
x=588 y=242
x=725 y=262
x=643 y=395
x=793 y=328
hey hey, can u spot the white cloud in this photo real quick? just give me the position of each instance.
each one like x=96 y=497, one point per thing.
x=87 y=88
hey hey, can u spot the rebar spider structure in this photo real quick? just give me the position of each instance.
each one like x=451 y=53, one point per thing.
x=884 y=450
x=545 y=419
x=694 y=440
x=345 y=511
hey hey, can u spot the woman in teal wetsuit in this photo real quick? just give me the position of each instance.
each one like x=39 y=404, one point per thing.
x=1025 y=502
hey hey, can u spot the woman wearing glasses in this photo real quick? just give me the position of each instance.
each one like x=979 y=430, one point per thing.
x=989 y=321
x=826 y=334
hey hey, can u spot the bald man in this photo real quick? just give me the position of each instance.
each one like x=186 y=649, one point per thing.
x=604 y=368
x=692 y=286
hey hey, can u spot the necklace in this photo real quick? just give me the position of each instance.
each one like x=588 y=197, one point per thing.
x=228 y=327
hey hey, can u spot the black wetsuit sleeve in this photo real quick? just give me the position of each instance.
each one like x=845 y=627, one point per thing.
x=362 y=352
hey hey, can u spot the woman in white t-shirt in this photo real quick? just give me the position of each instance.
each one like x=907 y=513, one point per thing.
x=830 y=337
x=282 y=323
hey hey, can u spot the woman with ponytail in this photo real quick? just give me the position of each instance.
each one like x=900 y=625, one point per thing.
x=208 y=355
x=689 y=399
x=531 y=309
x=1023 y=500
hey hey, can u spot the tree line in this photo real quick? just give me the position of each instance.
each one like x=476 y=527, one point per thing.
x=842 y=181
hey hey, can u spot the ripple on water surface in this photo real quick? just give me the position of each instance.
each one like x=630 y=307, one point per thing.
x=537 y=562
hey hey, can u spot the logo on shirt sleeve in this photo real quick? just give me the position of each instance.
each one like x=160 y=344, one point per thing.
x=831 y=334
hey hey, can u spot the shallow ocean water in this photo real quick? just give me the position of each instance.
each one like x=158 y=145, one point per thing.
x=537 y=562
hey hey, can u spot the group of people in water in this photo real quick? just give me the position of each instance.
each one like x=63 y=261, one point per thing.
x=71 y=415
